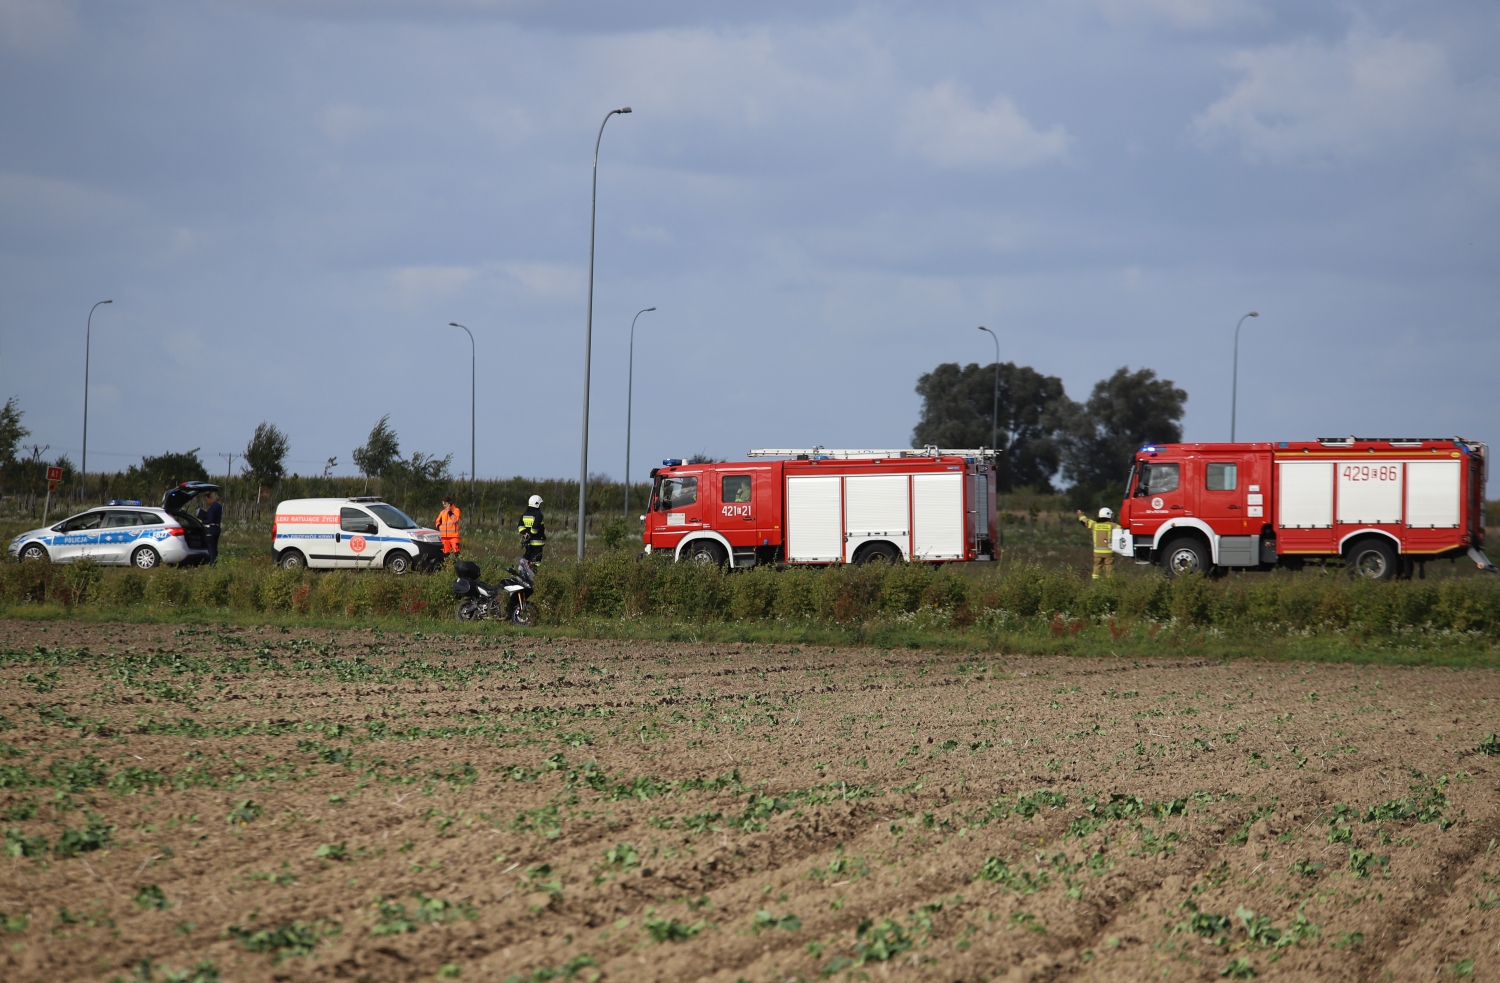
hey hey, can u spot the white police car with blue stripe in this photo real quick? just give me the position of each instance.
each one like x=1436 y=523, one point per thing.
x=124 y=534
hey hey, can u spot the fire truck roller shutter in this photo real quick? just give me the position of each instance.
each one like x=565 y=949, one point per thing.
x=876 y=509
x=937 y=516
x=1369 y=492
x=1305 y=496
x=1433 y=490
x=814 y=519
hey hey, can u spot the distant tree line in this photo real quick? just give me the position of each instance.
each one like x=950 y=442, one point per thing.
x=1044 y=437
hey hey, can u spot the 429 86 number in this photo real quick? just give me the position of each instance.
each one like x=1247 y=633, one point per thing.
x=1372 y=472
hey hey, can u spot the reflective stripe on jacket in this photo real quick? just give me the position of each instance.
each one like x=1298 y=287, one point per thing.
x=532 y=529
x=447 y=521
x=1101 y=528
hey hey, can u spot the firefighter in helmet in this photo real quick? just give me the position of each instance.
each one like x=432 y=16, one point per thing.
x=1101 y=529
x=447 y=526
x=533 y=530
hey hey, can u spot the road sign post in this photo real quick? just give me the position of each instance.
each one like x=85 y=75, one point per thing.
x=54 y=475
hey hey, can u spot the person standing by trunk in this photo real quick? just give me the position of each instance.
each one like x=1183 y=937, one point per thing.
x=212 y=518
x=533 y=530
x=448 y=526
x=1101 y=529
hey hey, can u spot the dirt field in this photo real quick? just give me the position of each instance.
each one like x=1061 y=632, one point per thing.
x=204 y=804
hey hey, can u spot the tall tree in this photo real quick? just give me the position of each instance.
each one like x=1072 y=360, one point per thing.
x=11 y=430
x=957 y=405
x=265 y=455
x=1124 y=412
x=380 y=453
x=157 y=474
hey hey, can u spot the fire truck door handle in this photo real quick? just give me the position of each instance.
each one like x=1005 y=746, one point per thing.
x=1234 y=506
x=1177 y=506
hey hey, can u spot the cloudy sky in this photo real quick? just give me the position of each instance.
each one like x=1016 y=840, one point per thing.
x=289 y=201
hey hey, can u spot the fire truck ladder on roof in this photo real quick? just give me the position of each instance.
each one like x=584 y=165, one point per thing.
x=844 y=454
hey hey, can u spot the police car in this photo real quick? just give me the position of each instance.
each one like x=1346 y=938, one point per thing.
x=124 y=534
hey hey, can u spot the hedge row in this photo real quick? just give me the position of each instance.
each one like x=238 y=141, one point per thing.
x=621 y=586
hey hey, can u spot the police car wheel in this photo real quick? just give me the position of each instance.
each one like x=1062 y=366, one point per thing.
x=292 y=560
x=36 y=552
x=145 y=558
x=398 y=562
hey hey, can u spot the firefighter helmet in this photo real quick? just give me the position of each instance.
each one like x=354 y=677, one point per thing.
x=1106 y=514
x=535 y=501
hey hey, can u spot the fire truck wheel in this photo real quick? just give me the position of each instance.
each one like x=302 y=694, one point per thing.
x=878 y=553
x=704 y=552
x=1372 y=559
x=1184 y=557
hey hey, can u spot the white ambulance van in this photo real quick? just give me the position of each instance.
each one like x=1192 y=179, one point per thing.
x=351 y=534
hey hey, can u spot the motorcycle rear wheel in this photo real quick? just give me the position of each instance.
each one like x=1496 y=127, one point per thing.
x=469 y=610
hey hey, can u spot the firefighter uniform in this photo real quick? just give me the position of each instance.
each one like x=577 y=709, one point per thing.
x=447 y=527
x=533 y=530
x=1101 y=530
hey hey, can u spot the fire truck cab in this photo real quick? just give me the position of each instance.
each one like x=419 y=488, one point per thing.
x=822 y=506
x=1382 y=505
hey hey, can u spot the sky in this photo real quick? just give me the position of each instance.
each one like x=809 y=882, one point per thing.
x=289 y=200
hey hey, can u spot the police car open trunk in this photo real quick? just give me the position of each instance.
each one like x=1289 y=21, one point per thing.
x=175 y=502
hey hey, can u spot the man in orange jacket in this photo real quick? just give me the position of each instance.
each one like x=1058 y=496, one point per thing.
x=447 y=525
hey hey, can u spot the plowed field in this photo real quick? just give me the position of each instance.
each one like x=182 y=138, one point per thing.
x=245 y=803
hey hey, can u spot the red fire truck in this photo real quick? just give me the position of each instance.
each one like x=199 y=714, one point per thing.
x=817 y=506
x=1384 y=506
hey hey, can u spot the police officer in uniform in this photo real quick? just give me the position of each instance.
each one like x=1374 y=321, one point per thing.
x=1101 y=529
x=533 y=530
x=213 y=523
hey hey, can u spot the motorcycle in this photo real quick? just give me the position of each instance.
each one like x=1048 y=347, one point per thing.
x=509 y=600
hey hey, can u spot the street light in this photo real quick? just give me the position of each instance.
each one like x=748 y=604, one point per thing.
x=629 y=392
x=472 y=376
x=88 y=335
x=1234 y=388
x=588 y=341
x=995 y=409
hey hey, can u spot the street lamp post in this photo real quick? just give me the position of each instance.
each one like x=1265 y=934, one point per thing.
x=588 y=340
x=473 y=375
x=629 y=393
x=1234 y=387
x=995 y=408
x=88 y=336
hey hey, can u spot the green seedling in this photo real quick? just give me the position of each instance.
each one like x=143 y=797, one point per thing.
x=292 y=939
x=670 y=929
x=17 y=844
x=332 y=851
x=764 y=919
x=243 y=814
x=1239 y=968
x=151 y=896
x=623 y=856
x=75 y=842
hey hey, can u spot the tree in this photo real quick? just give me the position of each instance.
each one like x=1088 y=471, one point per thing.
x=159 y=473
x=265 y=455
x=1123 y=413
x=957 y=404
x=11 y=430
x=380 y=453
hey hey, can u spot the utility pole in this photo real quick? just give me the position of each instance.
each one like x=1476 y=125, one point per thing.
x=229 y=469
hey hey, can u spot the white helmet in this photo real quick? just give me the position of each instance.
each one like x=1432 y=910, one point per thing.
x=535 y=501
x=1106 y=514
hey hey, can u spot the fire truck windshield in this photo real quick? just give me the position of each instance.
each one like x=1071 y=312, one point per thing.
x=1158 y=478
x=674 y=492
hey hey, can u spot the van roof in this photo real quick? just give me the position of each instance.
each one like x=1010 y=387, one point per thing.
x=313 y=504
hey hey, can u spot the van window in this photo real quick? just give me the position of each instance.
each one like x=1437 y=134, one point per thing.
x=393 y=517
x=736 y=488
x=677 y=492
x=353 y=520
x=1223 y=477
x=1158 y=479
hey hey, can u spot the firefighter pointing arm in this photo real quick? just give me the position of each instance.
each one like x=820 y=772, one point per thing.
x=533 y=530
x=1101 y=529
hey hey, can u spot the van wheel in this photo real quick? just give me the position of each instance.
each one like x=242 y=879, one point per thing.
x=704 y=552
x=145 y=558
x=878 y=553
x=1372 y=559
x=35 y=552
x=1184 y=557
x=398 y=562
x=292 y=560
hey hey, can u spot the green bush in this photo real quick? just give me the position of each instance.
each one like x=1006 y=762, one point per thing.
x=123 y=590
x=166 y=587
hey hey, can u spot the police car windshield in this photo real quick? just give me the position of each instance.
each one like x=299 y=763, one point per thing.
x=393 y=517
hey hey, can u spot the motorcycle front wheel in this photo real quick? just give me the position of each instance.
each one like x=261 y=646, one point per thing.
x=469 y=610
x=523 y=614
